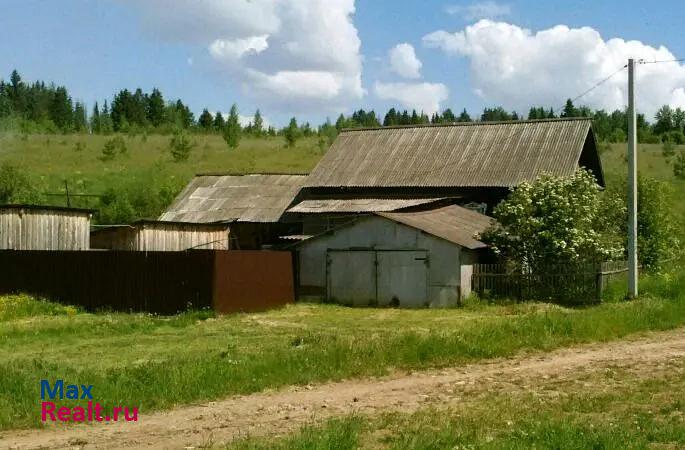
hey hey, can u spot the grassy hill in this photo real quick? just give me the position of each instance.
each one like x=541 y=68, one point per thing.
x=148 y=166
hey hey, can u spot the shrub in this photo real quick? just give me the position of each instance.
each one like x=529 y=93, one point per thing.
x=180 y=146
x=113 y=147
x=668 y=149
x=679 y=166
x=554 y=220
x=15 y=186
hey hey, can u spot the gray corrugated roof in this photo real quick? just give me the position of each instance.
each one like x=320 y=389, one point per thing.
x=358 y=205
x=452 y=223
x=228 y=198
x=467 y=155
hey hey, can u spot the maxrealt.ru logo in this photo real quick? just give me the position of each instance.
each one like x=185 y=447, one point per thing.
x=50 y=411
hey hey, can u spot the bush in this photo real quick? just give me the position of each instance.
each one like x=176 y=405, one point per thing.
x=679 y=166
x=668 y=149
x=113 y=147
x=554 y=220
x=180 y=146
x=15 y=186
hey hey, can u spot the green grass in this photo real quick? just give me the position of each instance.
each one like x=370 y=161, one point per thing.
x=52 y=159
x=159 y=362
x=615 y=409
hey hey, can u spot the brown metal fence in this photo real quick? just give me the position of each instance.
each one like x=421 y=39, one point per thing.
x=157 y=282
x=567 y=283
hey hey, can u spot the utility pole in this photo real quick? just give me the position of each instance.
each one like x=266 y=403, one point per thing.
x=632 y=183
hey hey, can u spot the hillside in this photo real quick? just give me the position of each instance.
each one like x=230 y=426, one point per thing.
x=150 y=178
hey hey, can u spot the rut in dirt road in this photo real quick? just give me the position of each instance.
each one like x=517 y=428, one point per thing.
x=287 y=409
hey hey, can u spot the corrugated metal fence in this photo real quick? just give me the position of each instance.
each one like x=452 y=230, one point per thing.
x=567 y=283
x=157 y=282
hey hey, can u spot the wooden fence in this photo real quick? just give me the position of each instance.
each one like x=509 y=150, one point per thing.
x=568 y=283
x=157 y=282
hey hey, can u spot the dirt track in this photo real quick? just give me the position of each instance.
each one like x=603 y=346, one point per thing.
x=284 y=410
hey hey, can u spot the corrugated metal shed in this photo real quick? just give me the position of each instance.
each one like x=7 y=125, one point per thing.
x=354 y=205
x=234 y=198
x=482 y=154
x=452 y=223
x=34 y=227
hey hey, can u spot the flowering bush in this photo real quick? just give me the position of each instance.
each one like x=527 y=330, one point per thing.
x=554 y=220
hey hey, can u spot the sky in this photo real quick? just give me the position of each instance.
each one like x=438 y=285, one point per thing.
x=318 y=58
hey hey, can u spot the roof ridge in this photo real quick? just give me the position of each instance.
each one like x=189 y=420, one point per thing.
x=241 y=174
x=467 y=124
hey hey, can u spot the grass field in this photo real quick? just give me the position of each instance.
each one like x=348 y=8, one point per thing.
x=53 y=159
x=159 y=362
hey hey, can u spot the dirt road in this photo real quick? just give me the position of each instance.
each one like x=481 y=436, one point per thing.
x=280 y=411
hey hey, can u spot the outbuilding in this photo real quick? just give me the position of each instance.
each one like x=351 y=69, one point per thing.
x=152 y=235
x=37 y=227
x=406 y=259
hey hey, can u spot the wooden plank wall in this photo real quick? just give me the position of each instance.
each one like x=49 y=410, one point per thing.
x=28 y=229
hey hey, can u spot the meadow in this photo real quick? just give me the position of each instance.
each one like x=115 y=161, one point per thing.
x=160 y=362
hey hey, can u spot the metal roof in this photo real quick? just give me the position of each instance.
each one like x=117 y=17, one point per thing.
x=234 y=198
x=480 y=154
x=357 y=205
x=452 y=223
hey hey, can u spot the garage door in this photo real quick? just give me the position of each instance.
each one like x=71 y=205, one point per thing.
x=378 y=277
x=352 y=277
x=402 y=278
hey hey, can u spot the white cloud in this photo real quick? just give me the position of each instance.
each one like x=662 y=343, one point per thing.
x=295 y=55
x=237 y=48
x=403 y=61
x=517 y=68
x=480 y=10
x=424 y=97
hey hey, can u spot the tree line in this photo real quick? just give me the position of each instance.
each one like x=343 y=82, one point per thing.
x=41 y=107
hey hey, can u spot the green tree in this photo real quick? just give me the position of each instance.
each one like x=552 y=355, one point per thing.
x=679 y=166
x=205 y=121
x=668 y=149
x=15 y=186
x=554 y=220
x=569 y=110
x=61 y=109
x=464 y=117
x=219 y=122
x=113 y=147
x=291 y=133
x=232 y=130
x=180 y=146
x=80 y=118
x=258 y=124
x=155 y=108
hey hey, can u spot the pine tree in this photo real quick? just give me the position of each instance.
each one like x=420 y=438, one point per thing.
x=448 y=116
x=80 y=117
x=390 y=118
x=155 y=108
x=291 y=133
x=569 y=110
x=219 y=122
x=206 y=120
x=464 y=117
x=61 y=110
x=258 y=124
x=232 y=129
x=340 y=123
x=95 y=120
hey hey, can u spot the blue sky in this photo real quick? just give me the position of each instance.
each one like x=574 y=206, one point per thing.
x=212 y=53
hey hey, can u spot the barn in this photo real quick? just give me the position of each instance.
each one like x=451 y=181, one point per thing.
x=406 y=259
x=469 y=164
x=35 y=227
x=151 y=235
x=254 y=205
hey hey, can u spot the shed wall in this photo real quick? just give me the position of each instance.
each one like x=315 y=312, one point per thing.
x=444 y=277
x=29 y=229
x=162 y=237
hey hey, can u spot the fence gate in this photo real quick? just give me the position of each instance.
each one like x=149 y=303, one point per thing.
x=377 y=277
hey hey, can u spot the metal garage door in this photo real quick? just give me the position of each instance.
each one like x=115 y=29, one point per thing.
x=378 y=277
x=352 y=277
x=402 y=278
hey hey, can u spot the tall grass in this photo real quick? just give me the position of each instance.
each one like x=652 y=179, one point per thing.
x=156 y=362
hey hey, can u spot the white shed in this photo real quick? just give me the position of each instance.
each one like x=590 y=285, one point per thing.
x=407 y=259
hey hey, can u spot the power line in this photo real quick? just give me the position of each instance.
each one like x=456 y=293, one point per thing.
x=642 y=61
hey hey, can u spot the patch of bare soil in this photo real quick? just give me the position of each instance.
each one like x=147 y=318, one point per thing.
x=272 y=413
